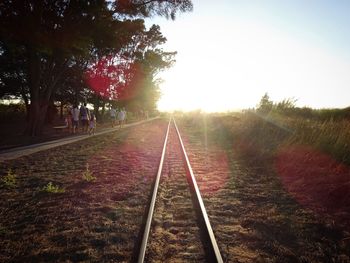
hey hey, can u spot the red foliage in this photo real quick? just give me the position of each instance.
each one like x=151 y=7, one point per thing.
x=109 y=77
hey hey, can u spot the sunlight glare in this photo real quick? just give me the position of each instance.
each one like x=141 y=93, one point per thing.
x=243 y=60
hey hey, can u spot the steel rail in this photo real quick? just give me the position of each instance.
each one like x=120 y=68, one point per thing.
x=142 y=252
x=214 y=252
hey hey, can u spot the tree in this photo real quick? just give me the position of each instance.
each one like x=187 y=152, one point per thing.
x=145 y=84
x=52 y=37
x=146 y=8
x=265 y=105
x=51 y=34
x=130 y=76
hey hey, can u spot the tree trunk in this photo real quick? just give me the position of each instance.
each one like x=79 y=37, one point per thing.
x=103 y=110
x=96 y=107
x=37 y=119
x=26 y=102
x=51 y=112
x=33 y=123
x=39 y=96
x=61 y=110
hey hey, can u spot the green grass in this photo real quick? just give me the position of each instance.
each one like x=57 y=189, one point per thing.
x=51 y=188
x=87 y=175
x=9 y=180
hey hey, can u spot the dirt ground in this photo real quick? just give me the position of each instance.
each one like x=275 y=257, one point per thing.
x=12 y=133
x=255 y=217
x=91 y=221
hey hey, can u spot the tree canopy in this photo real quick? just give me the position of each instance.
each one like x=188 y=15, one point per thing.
x=70 y=50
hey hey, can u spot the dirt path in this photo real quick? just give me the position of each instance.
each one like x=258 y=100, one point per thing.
x=96 y=221
x=17 y=152
x=253 y=217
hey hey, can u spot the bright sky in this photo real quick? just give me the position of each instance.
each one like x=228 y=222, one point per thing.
x=230 y=52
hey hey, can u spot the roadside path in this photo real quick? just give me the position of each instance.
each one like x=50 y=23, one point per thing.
x=17 y=152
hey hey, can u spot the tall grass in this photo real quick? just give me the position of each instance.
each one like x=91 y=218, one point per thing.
x=330 y=136
x=259 y=135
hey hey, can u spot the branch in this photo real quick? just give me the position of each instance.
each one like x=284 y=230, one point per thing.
x=151 y=1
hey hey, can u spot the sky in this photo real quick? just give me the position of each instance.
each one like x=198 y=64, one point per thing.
x=231 y=52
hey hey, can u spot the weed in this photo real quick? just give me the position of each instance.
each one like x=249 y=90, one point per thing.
x=51 y=188
x=3 y=230
x=10 y=179
x=87 y=175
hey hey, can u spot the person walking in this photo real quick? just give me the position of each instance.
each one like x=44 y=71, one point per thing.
x=69 y=119
x=125 y=116
x=121 y=117
x=92 y=124
x=113 y=115
x=75 y=117
x=85 y=116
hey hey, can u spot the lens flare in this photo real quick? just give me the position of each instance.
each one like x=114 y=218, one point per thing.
x=316 y=180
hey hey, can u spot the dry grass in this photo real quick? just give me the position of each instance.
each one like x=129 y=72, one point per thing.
x=284 y=200
x=90 y=221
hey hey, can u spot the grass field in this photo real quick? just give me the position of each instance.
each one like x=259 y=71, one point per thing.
x=311 y=156
x=269 y=204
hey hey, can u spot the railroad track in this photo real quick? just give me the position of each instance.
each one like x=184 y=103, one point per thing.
x=177 y=226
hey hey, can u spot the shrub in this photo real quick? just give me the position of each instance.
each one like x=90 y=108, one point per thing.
x=11 y=112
